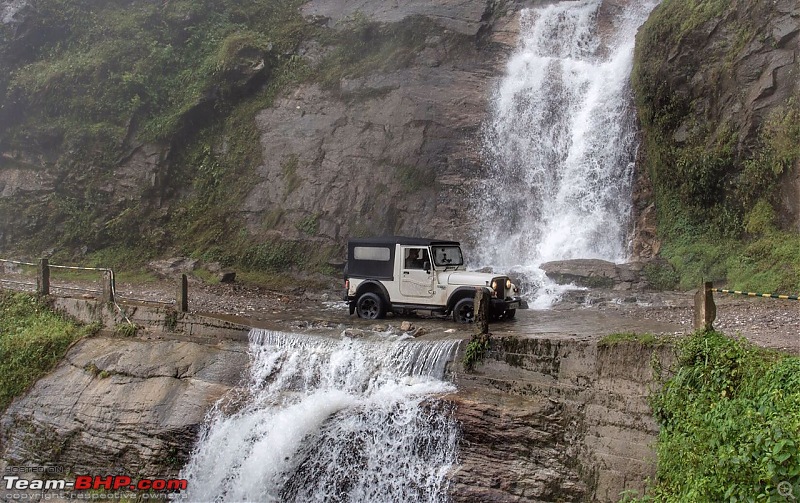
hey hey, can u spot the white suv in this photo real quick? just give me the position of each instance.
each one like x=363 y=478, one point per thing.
x=400 y=274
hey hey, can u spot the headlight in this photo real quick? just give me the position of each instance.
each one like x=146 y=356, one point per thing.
x=508 y=284
x=494 y=285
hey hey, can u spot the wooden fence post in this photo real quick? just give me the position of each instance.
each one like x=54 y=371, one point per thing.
x=182 y=300
x=481 y=312
x=705 y=311
x=108 y=286
x=43 y=278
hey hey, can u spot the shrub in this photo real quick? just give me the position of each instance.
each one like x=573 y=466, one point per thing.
x=730 y=423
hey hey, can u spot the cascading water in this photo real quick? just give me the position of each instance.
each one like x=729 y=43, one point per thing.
x=562 y=141
x=332 y=420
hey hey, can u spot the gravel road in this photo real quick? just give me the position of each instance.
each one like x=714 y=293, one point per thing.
x=773 y=323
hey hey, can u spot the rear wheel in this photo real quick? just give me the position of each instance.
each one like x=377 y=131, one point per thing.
x=370 y=306
x=464 y=311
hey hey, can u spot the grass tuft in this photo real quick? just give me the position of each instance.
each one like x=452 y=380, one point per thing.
x=33 y=339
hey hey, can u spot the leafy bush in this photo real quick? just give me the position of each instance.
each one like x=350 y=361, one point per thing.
x=475 y=352
x=660 y=275
x=730 y=423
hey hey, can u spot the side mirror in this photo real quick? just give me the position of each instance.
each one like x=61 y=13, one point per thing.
x=427 y=266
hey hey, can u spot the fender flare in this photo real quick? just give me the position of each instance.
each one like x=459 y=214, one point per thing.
x=373 y=286
x=461 y=293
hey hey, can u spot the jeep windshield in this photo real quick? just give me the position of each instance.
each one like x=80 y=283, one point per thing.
x=449 y=256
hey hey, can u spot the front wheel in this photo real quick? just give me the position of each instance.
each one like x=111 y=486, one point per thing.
x=464 y=311
x=370 y=306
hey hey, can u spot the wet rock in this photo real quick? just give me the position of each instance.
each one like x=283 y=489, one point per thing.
x=556 y=420
x=735 y=76
x=353 y=333
x=417 y=332
x=593 y=273
x=406 y=326
x=126 y=405
x=412 y=129
x=462 y=16
x=513 y=453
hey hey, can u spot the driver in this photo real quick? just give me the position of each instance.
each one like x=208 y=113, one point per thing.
x=413 y=261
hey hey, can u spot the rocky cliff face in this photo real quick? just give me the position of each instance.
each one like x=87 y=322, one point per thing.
x=389 y=152
x=389 y=143
x=394 y=149
x=541 y=420
x=718 y=90
x=558 y=419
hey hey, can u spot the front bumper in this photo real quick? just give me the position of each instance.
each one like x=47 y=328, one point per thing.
x=499 y=306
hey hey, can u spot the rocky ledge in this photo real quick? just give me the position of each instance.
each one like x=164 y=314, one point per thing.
x=594 y=273
x=128 y=405
x=557 y=419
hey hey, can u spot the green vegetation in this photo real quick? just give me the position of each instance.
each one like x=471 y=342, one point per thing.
x=33 y=339
x=96 y=69
x=661 y=276
x=623 y=337
x=730 y=423
x=125 y=329
x=716 y=195
x=309 y=225
x=171 y=319
x=102 y=78
x=290 y=177
x=367 y=47
x=475 y=352
x=92 y=369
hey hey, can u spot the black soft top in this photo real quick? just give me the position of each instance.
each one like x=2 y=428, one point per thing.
x=402 y=240
x=384 y=268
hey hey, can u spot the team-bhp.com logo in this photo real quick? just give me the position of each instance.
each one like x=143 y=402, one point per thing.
x=95 y=482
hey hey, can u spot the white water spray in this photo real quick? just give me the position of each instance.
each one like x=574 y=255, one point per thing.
x=562 y=141
x=332 y=420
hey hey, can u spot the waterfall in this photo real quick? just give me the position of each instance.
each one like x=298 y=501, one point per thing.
x=331 y=420
x=561 y=141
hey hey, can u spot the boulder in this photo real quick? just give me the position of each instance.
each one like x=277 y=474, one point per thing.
x=173 y=266
x=227 y=276
x=582 y=272
x=595 y=273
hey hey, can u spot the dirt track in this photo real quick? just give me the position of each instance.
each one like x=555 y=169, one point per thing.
x=771 y=323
